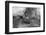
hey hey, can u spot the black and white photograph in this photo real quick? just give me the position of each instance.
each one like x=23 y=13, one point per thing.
x=24 y=17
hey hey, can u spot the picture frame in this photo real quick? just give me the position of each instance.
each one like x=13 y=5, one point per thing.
x=8 y=20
